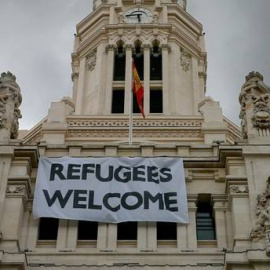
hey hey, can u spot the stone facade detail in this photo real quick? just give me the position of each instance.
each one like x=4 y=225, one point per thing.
x=255 y=106
x=91 y=60
x=10 y=100
x=238 y=189
x=185 y=59
x=262 y=227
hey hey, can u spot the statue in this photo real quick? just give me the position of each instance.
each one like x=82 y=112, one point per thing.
x=10 y=100
x=262 y=227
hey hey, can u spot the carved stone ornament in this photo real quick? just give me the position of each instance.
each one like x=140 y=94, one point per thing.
x=10 y=100
x=15 y=189
x=262 y=227
x=255 y=94
x=185 y=59
x=91 y=60
x=239 y=189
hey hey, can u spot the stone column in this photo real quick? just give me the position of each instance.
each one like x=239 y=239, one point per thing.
x=109 y=80
x=165 y=78
x=10 y=100
x=146 y=81
x=220 y=206
x=128 y=81
x=191 y=228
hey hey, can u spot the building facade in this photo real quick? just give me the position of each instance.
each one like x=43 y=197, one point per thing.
x=227 y=170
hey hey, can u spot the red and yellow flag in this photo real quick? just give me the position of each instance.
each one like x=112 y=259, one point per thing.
x=138 y=88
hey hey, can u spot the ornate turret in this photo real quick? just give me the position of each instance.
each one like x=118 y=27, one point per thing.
x=255 y=108
x=10 y=100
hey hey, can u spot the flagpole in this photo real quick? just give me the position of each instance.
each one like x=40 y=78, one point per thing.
x=131 y=108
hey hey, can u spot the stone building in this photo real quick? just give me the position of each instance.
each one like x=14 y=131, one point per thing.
x=227 y=170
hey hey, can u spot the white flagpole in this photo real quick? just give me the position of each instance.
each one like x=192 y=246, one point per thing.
x=131 y=108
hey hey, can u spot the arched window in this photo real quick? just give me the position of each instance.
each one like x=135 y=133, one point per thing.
x=119 y=62
x=205 y=219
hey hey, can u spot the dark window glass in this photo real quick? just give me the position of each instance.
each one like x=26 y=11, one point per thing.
x=119 y=65
x=136 y=108
x=118 y=101
x=205 y=219
x=156 y=101
x=48 y=229
x=156 y=64
x=87 y=230
x=139 y=60
x=166 y=231
x=127 y=231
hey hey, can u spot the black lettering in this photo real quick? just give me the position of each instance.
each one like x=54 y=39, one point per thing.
x=87 y=168
x=105 y=179
x=167 y=173
x=56 y=169
x=152 y=174
x=137 y=195
x=138 y=172
x=72 y=170
x=169 y=201
x=57 y=195
x=148 y=197
x=78 y=199
x=91 y=204
x=106 y=201
x=126 y=174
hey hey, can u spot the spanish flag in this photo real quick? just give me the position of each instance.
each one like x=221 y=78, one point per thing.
x=138 y=88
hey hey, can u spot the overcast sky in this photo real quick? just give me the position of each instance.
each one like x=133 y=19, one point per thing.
x=36 y=40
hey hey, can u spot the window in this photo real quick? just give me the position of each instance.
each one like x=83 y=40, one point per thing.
x=119 y=64
x=136 y=108
x=127 y=231
x=48 y=229
x=139 y=60
x=166 y=231
x=118 y=101
x=156 y=101
x=205 y=219
x=156 y=64
x=87 y=230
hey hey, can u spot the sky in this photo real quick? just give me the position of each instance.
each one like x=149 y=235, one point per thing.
x=36 y=41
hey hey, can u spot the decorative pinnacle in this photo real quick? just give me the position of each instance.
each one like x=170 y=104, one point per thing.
x=254 y=74
x=7 y=77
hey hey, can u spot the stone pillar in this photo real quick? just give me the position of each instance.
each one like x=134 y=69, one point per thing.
x=81 y=86
x=128 y=81
x=165 y=77
x=191 y=227
x=220 y=207
x=10 y=100
x=75 y=80
x=109 y=80
x=241 y=219
x=146 y=81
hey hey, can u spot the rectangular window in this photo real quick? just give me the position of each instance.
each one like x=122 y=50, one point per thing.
x=205 y=218
x=48 y=229
x=87 y=230
x=166 y=231
x=119 y=65
x=127 y=231
x=156 y=67
x=118 y=101
x=156 y=101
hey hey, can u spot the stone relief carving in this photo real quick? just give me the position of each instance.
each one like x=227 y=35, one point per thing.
x=239 y=189
x=16 y=189
x=262 y=227
x=185 y=59
x=10 y=100
x=91 y=60
x=257 y=94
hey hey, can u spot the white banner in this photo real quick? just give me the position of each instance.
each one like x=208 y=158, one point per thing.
x=111 y=189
